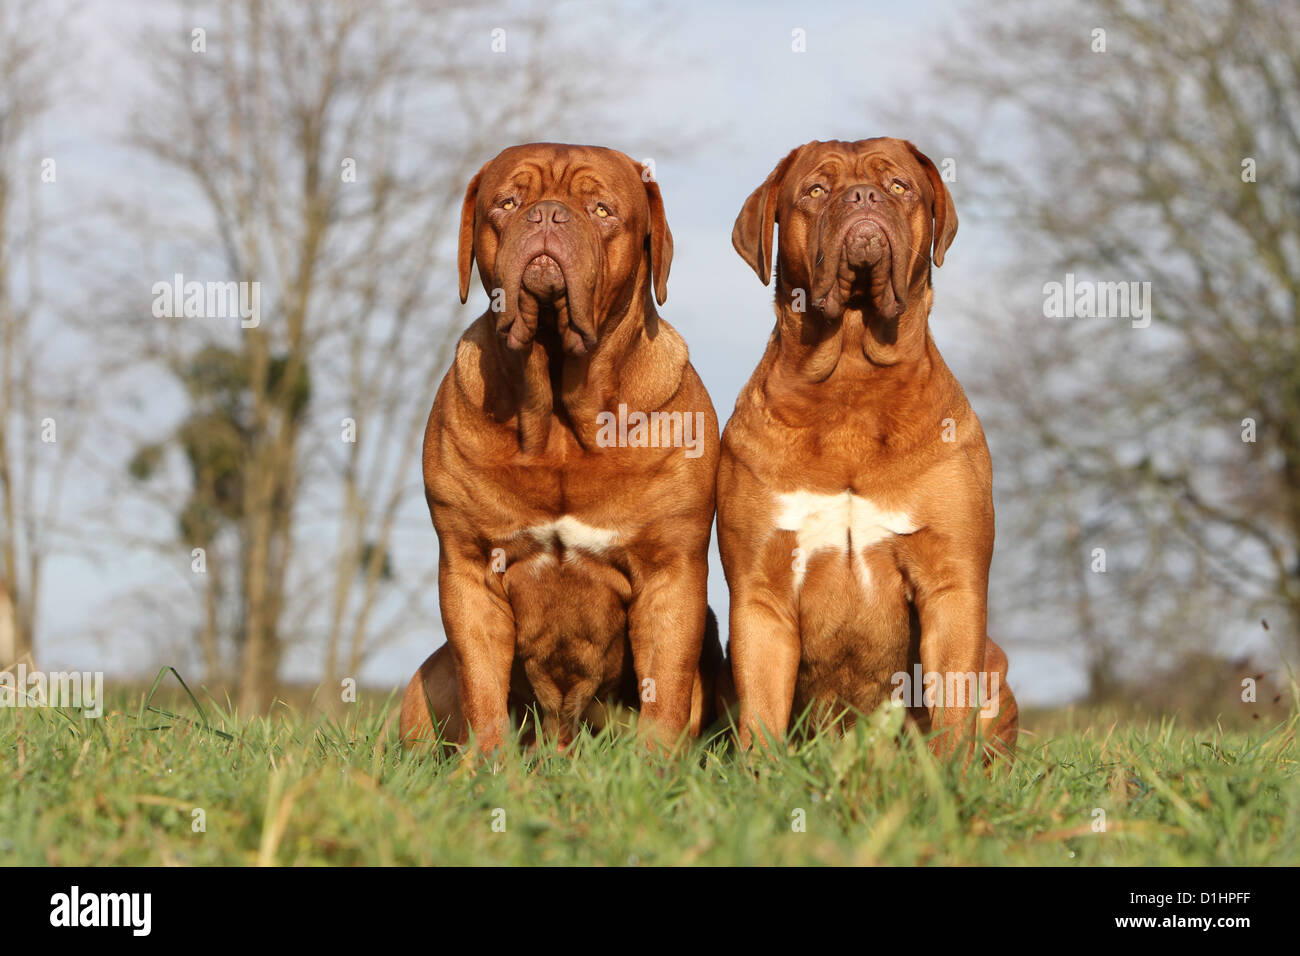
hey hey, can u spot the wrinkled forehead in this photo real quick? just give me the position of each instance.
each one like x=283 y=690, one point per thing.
x=559 y=169
x=863 y=160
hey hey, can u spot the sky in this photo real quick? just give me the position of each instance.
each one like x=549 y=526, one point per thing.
x=732 y=81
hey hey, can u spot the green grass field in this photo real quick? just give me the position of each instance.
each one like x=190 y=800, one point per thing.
x=124 y=789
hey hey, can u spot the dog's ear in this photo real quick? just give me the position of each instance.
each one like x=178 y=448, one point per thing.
x=465 y=251
x=660 y=239
x=752 y=234
x=943 y=211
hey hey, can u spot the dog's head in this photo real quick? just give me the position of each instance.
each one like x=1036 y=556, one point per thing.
x=858 y=223
x=565 y=237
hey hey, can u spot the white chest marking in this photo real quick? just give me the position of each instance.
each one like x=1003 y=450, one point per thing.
x=842 y=522
x=568 y=533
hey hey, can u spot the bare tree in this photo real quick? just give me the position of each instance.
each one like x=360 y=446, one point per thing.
x=1139 y=141
x=29 y=54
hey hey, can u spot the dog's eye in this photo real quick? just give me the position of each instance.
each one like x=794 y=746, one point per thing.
x=601 y=210
x=508 y=204
x=897 y=187
x=817 y=192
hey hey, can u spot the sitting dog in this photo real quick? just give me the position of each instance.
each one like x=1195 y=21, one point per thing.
x=569 y=466
x=855 y=490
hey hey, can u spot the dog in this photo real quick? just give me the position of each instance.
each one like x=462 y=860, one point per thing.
x=569 y=466
x=855 y=489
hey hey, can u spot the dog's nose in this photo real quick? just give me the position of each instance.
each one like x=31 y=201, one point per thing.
x=862 y=195
x=549 y=212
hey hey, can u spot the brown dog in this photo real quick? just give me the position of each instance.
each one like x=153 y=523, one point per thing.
x=855 y=498
x=569 y=464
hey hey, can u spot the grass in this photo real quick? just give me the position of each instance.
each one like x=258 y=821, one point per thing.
x=288 y=790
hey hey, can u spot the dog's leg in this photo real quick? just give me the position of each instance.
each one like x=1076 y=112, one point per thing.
x=764 y=649
x=953 y=641
x=431 y=704
x=666 y=624
x=1000 y=716
x=481 y=633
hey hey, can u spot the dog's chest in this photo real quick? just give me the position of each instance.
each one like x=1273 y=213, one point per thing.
x=841 y=523
x=567 y=533
x=564 y=553
x=849 y=594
